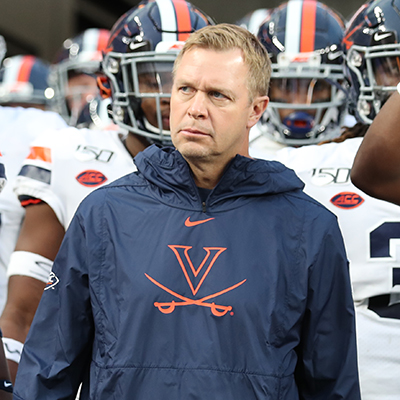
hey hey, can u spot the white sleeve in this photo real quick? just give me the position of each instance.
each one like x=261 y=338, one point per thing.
x=30 y=264
x=35 y=176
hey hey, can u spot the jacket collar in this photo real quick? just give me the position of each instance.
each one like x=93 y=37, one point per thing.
x=169 y=172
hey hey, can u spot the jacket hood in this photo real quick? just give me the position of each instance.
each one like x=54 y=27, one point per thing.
x=169 y=172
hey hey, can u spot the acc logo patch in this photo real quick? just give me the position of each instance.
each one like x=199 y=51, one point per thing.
x=91 y=178
x=347 y=200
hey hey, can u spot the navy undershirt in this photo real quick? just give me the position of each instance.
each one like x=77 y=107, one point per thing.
x=203 y=193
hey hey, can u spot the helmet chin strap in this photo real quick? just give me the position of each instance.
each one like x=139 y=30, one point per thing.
x=299 y=123
x=153 y=129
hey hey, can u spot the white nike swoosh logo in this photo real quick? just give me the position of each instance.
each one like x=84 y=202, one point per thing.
x=380 y=36
x=334 y=56
x=135 y=46
x=7 y=384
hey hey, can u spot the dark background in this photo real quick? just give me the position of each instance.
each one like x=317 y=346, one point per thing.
x=39 y=27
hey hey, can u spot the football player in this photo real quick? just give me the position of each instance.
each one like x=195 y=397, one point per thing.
x=375 y=168
x=24 y=94
x=376 y=165
x=307 y=90
x=370 y=227
x=63 y=167
x=24 y=82
x=5 y=383
x=6 y=386
x=74 y=72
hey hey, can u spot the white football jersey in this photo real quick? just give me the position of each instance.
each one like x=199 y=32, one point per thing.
x=261 y=146
x=371 y=232
x=63 y=167
x=370 y=227
x=18 y=127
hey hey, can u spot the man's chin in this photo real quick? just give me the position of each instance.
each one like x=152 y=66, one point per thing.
x=193 y=150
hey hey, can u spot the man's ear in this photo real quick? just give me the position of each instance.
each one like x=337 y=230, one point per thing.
x=258 y=107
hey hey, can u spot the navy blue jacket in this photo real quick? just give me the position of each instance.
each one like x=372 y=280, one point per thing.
x=154 y=295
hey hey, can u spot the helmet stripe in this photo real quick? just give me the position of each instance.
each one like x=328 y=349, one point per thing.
x=293 y=25
x=90 y=40
x=182 y=19
x=25 y=69
x=309 y=16
x=168 y=20
x=104 y=34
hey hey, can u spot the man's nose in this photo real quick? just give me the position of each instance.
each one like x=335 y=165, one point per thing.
x=198 y=107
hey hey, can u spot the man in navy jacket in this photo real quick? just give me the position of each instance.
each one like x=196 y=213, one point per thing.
x=204 y=275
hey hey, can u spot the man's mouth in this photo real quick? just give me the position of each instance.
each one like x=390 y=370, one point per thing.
x=193 y=131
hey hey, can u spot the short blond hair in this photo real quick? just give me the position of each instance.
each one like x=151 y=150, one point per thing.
x=225 y=37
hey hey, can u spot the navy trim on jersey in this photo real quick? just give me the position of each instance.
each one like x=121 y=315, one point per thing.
x=37 y=173
x=2 y=171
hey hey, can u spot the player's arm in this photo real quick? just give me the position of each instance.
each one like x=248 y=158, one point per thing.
x=39 y=240
x=376 y=168
x=57 y=352
x=5 y=382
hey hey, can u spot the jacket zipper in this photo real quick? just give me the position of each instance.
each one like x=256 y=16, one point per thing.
x=203 y=204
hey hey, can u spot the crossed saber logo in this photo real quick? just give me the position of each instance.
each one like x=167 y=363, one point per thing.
x=212 y=253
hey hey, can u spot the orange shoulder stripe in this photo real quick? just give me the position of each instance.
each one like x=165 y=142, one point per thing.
x=40 y=153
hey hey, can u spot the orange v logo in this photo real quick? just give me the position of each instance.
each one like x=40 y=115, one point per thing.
x=186 y=263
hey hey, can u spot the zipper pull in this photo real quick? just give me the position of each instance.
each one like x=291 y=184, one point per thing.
x=203 y=204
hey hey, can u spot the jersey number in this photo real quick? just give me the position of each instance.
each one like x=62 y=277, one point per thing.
x=380 y=248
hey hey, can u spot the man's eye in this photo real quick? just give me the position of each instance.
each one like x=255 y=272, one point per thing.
x=185 y=89
x=217 y=95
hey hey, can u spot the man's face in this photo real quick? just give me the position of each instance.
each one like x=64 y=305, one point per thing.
x=156 y=83
x=299 y=91
x=387 y=71
x=211 y=113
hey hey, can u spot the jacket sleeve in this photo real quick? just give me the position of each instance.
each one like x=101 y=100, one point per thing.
x=57 y=351
x=327 y=366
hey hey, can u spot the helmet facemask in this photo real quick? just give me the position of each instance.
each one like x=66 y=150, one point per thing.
x=141 y=84
x=73 y=74
x=307 y=100
x=377 y=73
